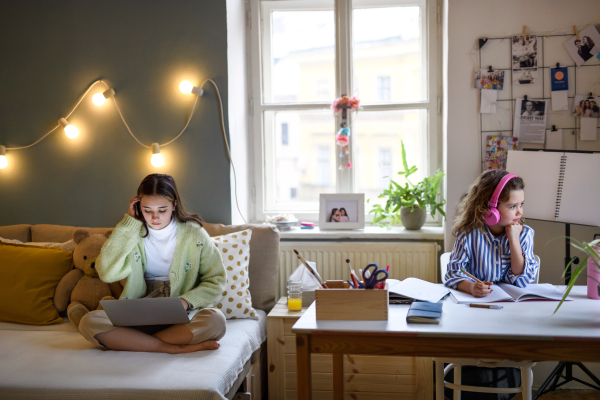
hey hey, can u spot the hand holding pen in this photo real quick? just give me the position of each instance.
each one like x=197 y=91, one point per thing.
x=479 y=288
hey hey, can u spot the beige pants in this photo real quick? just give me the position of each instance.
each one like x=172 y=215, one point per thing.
x=207 y=324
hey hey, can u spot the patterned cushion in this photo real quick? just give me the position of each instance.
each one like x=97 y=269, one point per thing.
x=235 y=252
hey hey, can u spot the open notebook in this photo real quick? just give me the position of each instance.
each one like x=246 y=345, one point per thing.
x=410 y=289
x=508 y=292
x=559 y=186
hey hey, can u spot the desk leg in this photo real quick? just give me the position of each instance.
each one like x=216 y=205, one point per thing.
x=303 y=374
x=338 y=376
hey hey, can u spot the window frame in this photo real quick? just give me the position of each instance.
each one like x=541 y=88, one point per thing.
x=259 y=59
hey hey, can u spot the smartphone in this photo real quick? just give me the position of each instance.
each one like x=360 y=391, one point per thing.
x=138 y=211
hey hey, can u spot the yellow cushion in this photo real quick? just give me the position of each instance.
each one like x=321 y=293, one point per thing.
x=31 y=275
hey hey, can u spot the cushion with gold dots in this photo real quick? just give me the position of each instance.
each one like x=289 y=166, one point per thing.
x=235 y=301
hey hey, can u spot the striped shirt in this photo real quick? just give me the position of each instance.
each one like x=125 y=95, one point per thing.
x=487 y=257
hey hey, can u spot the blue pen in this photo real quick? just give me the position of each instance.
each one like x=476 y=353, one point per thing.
x=351 y=285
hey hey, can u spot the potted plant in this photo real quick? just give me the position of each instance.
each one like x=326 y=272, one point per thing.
x=408 y=204
x=590 y=260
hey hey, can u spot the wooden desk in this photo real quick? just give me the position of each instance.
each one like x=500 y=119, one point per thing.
x=367 y=377
x=520 y=331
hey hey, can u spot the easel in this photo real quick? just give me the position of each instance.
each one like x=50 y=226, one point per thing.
x=564 y=369
x=564 y=366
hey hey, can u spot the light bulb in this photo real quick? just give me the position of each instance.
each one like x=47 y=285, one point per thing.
x=98 y=99
x=157 y=158
x=3 y=160
x=186 y=87
x=70 y=130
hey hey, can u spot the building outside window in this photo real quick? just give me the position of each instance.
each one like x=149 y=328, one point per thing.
x=284 y=134
x=383 y=89
x=377 y=47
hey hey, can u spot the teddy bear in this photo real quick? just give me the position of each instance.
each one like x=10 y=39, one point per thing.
x=81 y=286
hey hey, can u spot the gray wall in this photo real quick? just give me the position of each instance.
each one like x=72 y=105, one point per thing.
x=52 y=50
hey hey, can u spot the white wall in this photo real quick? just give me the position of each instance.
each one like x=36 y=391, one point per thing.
x=465 y=22
x=241 y=145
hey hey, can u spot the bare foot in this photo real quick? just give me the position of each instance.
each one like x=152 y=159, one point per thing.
x=190 y=348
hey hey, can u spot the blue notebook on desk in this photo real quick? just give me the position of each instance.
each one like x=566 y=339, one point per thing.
x=424 y=312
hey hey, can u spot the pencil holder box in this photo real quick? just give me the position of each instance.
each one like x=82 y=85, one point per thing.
x=352 y=304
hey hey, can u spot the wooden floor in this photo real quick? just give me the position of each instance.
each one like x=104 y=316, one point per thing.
x=568 y=395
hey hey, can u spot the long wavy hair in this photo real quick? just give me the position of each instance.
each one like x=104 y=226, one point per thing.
x=164 y=185
x=476 y=201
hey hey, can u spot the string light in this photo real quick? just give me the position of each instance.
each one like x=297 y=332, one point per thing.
x=3 y=160
x=99 y=98
x=157 y=158
x=70 y=130
x=187 y=87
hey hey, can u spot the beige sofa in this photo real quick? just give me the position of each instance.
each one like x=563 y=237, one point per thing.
x=54 y=361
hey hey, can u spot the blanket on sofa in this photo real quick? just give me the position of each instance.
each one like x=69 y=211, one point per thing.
x=56 y=362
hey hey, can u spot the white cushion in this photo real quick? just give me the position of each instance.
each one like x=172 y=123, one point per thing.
x=235 y=301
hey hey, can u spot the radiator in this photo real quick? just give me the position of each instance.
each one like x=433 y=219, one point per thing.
x=406 y=259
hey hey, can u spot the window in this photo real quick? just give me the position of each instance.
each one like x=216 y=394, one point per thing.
x=385 y=168
x=284 y=134
x=382 y=51
x=383 y=89
x=324 y=169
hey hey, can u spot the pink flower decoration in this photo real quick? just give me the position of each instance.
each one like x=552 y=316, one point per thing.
x=349 y=165
x=345 y=100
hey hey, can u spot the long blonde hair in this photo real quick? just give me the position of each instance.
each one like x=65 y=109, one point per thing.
x=476 y=201
x=164 y=185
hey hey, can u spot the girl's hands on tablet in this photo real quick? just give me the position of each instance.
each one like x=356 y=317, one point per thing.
x=132 y=207
x=481 y=289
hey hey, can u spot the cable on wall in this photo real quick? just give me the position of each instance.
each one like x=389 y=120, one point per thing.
x=99 y=99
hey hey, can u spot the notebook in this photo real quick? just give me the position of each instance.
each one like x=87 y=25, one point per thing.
x=153 y=311
x=411 y=289
x=559 y=185
x=508 y=292
x=424 y=313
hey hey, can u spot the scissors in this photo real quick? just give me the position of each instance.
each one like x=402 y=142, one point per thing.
x=372 y=275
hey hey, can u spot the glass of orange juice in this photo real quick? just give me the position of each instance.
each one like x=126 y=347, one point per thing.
x=294 y=295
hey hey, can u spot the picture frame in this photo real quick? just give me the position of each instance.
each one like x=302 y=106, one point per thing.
x=342 y=211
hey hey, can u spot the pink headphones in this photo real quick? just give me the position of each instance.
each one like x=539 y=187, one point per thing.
x=492 y=217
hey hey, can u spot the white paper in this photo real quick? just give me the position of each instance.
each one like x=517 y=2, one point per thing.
x=554 y=139
x=497 y=295
x=588 y=128
x=488 y=101
x=507 y=292
x=533 y=292
x=530 y=120
x=580 y=192
x=418 y=289
x=541 y=172
x=560 y=100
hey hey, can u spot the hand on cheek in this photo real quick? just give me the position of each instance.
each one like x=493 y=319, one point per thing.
x=514 y=230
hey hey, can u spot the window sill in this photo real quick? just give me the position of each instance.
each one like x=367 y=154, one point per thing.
x=368 y=233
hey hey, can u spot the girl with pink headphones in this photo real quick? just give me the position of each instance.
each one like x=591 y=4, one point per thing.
x=492 y=243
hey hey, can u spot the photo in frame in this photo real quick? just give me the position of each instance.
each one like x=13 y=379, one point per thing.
x=342 y=211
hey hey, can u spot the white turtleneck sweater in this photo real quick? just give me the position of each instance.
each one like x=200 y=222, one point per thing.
x=159 y=246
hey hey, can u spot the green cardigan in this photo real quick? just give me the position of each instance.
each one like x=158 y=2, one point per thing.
x=197 y=273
